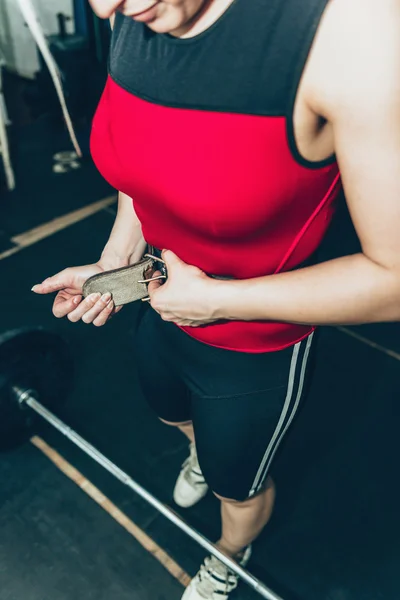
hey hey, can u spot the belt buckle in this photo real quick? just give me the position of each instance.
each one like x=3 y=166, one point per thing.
x=158 y=265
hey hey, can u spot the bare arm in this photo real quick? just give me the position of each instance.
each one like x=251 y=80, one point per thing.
x=126 y=244
x=361 y=99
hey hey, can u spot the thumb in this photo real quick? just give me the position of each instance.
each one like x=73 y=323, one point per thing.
x=154 y=285
x=53 y=284
x=171 y=259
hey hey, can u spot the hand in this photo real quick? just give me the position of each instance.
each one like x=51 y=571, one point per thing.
x=186 y=297
x=69 y=301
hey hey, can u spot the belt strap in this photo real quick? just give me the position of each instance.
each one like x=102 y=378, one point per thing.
x=130 y=283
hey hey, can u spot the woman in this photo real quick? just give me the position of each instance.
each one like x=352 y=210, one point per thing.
x=228 y=127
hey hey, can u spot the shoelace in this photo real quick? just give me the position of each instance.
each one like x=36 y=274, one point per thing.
x=214 y=577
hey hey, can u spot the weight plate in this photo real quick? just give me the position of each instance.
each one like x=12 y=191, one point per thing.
x=60 y=168
x=33 y=359
x=65 y=156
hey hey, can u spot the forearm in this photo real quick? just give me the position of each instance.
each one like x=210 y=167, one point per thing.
x=348 y=290
x=126 y=244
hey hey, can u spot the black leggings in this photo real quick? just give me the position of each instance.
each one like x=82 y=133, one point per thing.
x=241 y=404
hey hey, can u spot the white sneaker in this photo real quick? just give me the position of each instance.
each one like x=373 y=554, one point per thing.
x=190 y=487
x=214 y=581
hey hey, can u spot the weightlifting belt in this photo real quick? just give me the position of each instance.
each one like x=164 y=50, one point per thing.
x=128 y=284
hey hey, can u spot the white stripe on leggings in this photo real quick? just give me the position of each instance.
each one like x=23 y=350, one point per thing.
x=279 y=433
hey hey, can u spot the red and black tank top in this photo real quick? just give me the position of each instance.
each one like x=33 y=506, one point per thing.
x=199 y=132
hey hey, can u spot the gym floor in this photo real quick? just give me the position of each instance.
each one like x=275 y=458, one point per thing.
x=70 y=531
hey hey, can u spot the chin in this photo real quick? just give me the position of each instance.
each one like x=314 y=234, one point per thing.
x=165 y=22
x=160 y=26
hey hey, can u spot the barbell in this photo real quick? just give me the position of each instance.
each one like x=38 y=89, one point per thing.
x=36 y=375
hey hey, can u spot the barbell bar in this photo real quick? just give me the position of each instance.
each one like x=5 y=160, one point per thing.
x=23 y=396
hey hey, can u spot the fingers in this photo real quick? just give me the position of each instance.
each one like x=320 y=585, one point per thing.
x=94 y=309
x=58 y=282
x=170 y=258
x=105 y=314
x=62 y=306
x=172 y=261
x=91 y=308
x=103 y=308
